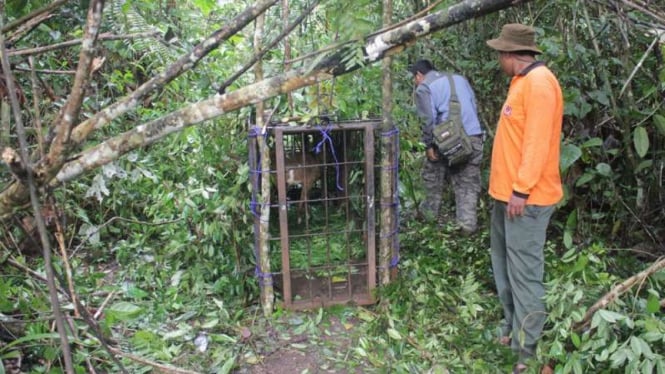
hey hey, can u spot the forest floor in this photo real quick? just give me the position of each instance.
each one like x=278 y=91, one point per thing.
x=297 y=343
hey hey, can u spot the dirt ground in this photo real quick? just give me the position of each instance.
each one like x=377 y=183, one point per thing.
x=324 y=351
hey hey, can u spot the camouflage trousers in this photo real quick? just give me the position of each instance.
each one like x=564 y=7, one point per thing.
x=465 y=180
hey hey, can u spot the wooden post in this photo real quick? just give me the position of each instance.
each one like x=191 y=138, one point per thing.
x=265 y=275
x=388 y=199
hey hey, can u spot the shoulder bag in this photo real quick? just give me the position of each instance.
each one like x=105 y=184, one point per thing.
x=449 y=136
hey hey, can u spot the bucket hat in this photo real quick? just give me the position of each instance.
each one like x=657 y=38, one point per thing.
x=515 y=37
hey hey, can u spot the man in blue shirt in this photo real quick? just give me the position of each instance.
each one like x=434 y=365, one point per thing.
x=432 y=97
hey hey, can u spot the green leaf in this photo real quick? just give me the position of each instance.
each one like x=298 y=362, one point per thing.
x=135 y=292
x=635 y=346
x=660 y=365
x=600 y=96
x=653 y=336
x=569 y=256
x=584 y=179
x=210 y=324
x=361 y=352
x=645 y=164
x=653 y=304
x=647 y=367
x=610 y=316
x=205 y=6
x=641 y=141
x=659 y=121
x=319 y=317
x=619 y=357
x=228 y=365
x=569 y=154
x=175 y=334
x=575 y=339
x=124 y=311
x=10 y=355
x=567 y=239
x=394 y=334
x=593 y=142
x=603 y=355
x=604 y=169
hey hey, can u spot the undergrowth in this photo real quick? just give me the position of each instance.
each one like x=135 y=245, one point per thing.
x=439 y=315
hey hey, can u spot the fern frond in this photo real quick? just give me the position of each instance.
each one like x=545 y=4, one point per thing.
x=124 y=18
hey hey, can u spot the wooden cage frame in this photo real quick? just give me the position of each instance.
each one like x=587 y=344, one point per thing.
x=350 y=292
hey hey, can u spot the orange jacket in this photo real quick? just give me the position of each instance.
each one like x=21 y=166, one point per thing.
x=525 y=155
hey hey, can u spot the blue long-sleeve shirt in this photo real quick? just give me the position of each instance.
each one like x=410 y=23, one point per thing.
x=432 y=97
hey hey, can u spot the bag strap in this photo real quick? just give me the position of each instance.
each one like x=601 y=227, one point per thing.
x=453 y=104
x=453 y=91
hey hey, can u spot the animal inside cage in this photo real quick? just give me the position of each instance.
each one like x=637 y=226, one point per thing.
x=322 y=221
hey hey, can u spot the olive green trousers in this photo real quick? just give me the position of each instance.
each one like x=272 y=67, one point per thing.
x=518 y=265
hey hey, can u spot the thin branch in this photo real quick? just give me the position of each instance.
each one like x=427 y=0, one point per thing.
x=34 y=199
x=25 y=28
x=421 y=13
x=267 y=48
x=287 y=53
x=645 y=10
x=100 y=310
x=14 y=24
x=75 y=42
x=62 y=72
x=636 y=251
x=60 y=239
x=162 y=368
x=646 y=229
x=317 y=52
x=11 y=261
x=35 y=106
x=639 y=64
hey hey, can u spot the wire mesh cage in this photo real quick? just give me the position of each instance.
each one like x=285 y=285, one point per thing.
x=322 y=221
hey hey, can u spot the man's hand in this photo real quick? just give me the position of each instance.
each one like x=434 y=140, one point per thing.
x=515 y=206
x=432 y=154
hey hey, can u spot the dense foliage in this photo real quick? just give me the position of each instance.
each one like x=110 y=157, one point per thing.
x=158 y=245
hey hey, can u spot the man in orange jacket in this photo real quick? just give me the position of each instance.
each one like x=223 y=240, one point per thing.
x=525 y=184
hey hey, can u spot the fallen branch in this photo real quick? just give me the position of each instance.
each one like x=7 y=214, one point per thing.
x=162 y=368
x=11 y=261
x=619 y=290
x=100 y=310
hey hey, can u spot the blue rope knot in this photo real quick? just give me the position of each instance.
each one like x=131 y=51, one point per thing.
x=317 y=149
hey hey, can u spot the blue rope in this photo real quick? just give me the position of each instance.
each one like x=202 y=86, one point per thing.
x=317 y=149
x=254 y=132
